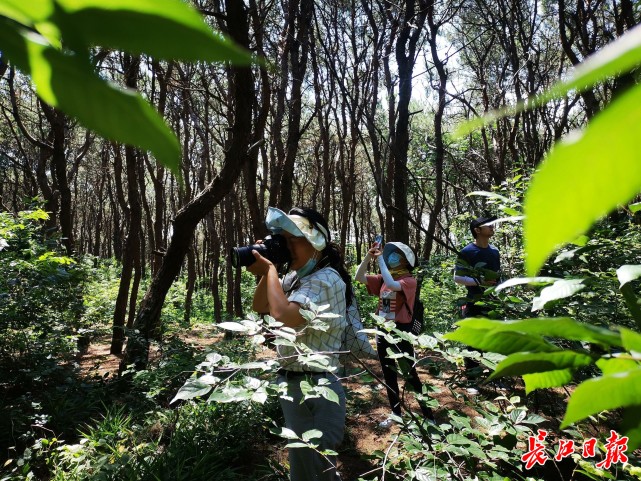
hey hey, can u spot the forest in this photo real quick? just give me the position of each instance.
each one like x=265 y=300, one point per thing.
x=141 y=141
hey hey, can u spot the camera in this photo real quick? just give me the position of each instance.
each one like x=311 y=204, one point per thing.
x=274 y=248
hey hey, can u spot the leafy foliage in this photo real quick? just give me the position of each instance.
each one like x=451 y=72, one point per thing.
x=50 y=41
x=41 y=291
x=607 y=175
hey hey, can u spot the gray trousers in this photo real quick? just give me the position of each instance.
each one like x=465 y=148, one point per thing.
x=307 y=464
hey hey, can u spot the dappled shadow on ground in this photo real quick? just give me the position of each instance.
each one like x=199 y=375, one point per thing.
x=83 y=392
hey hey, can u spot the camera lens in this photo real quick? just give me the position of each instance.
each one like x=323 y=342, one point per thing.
x=274 y=248
x=243 y=257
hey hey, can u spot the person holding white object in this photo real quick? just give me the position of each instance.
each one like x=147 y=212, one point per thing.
x=395 y=287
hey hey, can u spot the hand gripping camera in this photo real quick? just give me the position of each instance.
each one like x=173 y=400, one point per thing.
x=274 y=248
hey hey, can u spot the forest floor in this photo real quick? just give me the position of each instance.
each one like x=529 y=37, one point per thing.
x=367 y=402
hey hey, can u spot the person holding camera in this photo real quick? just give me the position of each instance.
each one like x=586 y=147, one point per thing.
x=396 y=289
x=317 y=275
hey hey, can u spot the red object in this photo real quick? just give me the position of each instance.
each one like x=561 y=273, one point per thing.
x=566 y=448
x=614 y=451
x=589 y=448
x=536 y=450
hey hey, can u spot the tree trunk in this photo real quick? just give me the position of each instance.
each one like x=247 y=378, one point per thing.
x=147 y=321
x=411 y=27
x=131 y=253
x=439 y=150
x=191 y=284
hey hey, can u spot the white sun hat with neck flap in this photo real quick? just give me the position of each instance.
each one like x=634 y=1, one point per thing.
x=404 y=249
x=278 y=221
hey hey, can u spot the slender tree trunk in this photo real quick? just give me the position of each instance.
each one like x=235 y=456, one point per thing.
x=214 y=285
x=298 y=56
x=439 y=150
x=242 y=98
x=131 y=253
x=191 y=284
x=409 y=34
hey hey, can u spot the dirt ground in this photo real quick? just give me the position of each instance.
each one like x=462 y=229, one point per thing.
x=367 y=402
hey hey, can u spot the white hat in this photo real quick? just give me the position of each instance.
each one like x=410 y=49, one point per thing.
x=405 y=250
x=298 y=226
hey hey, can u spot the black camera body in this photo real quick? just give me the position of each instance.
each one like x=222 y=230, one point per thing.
x=274 y=248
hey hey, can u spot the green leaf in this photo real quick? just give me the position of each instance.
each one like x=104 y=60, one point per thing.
x=531 y=362
x=66 y=82
x=328 y=394
x=628 y=273
x=517 y=281
x=607 y=173
x=265 y=366
x=230 y=394
x=259 y=396
x=285 y=334
x=516 y=416
x=636 y=207
x=589 y=398
x=34 y=215
x=167 y=29
x=616 y=365
x=427 y=342
x=191 y=389
x=563 y=327
x=543 y=380
x=631 y=426
x=511 y=212
x=26 y=13
x=232 y=326
x=501 y=342
x=631 y=341
x=457 y=439
x=559 y=290
x=589 y=470
x=296 y=445
x=632 y=301
x=489 y=195
x=311 y=434
x=287 y=434
x=307 y=315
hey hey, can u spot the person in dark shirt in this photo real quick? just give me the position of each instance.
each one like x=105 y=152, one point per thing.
x=478 y=267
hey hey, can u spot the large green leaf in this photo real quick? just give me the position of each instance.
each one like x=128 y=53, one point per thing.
x=311 y=434
x=167 y=29
x=25 y=12
x=67 y=83
x=616 y=365
x=544 y=380
x=191 y=389
x=603 y=393
x=628 y=273
x=583 y=178
x=631 y=426
x=559 y=290
x=501 y=342
x=631 y=341
x=34 y=14
x=517 y=281
x=532 y=362
x=563 y=327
